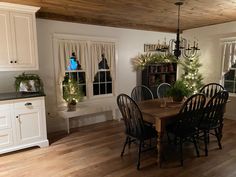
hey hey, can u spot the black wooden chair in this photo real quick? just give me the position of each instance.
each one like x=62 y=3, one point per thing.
x=135 y=128
x=184 y=128
x=211 y=89
x=141 y=92
x=162 y=90
x=212 y=118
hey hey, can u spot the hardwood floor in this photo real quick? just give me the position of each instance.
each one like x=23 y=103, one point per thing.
x=94 y=151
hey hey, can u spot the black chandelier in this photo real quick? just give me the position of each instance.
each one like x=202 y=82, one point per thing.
x=179 y=46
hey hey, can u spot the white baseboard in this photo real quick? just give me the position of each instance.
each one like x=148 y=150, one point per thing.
x=41 y=143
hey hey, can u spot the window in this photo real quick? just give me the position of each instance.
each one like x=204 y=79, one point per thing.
x=102 y=82
x=74 y=70
x=91 y=62
x=102 y=54
x=229 y=65
x=230 y=79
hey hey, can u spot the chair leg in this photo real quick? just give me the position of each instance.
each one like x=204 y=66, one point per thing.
x=206 y=135
x=123 y=150
x=181 y=151
x=218 y=138
x=139 y=154
x=175 y=141
x=220 y=131
x=129 y=142
x=168 y=137
x=196 y=146
x=197 y=135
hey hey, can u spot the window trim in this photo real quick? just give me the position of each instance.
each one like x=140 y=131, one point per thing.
x=89 y=84
x=233 y=81
x=222 y=42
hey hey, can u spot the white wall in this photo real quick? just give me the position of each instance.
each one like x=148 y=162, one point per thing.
x=130 y=43
x=211 y=57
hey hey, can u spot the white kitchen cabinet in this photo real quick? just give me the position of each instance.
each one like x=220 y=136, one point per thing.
x=6 y=138
x=6 y=41
x=28 y=125
x=5 y=116
x=18 y=48
x=22 y=124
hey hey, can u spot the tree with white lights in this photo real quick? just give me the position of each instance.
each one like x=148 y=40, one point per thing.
x=191 y=76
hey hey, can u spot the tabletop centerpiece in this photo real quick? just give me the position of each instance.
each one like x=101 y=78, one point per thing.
x=178 y=91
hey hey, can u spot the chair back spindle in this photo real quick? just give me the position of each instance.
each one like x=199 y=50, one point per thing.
x=162 y=90
x=211 y=89
x=214 y=110
x=191 y=111
x=140 y=93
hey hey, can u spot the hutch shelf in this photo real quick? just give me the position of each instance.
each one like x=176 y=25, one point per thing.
x=155 y=74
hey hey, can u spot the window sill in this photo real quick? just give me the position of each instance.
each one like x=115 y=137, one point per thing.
x=232 y=95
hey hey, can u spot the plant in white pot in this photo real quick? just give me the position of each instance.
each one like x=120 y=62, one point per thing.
x=72 y=93
x=28 y=83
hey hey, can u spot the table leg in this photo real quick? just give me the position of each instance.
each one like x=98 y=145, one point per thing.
x=159 y=129
x=114 y=114
x=68 y=126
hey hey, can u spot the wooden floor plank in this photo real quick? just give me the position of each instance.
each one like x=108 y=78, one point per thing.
x=94 y=151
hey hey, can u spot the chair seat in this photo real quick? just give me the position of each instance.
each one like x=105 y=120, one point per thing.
x=181 y=132
x=150 y=132
x=206 y=126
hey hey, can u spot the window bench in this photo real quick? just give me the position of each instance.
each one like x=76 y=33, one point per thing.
x=88 y=108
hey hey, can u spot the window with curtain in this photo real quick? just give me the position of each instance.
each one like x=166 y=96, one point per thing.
x=90 y=63
x=72 y=52
x=103 y=55
x=229 y=66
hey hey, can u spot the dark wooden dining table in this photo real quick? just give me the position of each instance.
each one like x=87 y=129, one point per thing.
x=153 y=112
x=160 y=116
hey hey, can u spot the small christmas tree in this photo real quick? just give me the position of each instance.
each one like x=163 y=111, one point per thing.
x=72 y=92
x=191 y=76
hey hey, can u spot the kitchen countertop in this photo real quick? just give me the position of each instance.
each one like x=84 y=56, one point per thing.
x=19 y=95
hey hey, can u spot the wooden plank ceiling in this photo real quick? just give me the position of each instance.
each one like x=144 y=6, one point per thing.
x=154 y=15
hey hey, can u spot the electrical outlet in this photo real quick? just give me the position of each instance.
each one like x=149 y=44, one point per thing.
x=51 y=115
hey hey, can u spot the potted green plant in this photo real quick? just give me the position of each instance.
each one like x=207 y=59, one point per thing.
x=178 y=91
x=28 y=83
x=72 y=93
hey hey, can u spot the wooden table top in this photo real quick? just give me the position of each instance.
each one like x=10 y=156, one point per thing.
x=152 y=108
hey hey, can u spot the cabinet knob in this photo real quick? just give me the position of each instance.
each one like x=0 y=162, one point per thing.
x=11 y=61
x=17 y=117
x=28 y=104
x=15 y=61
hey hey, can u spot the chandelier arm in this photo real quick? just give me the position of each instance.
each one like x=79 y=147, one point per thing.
x=184 y=42
x=189 y=53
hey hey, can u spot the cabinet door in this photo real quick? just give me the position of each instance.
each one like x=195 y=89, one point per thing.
x=6 y=138
x=5 y=116
x=28 y=125
x=23 y=39
x=6 y=41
